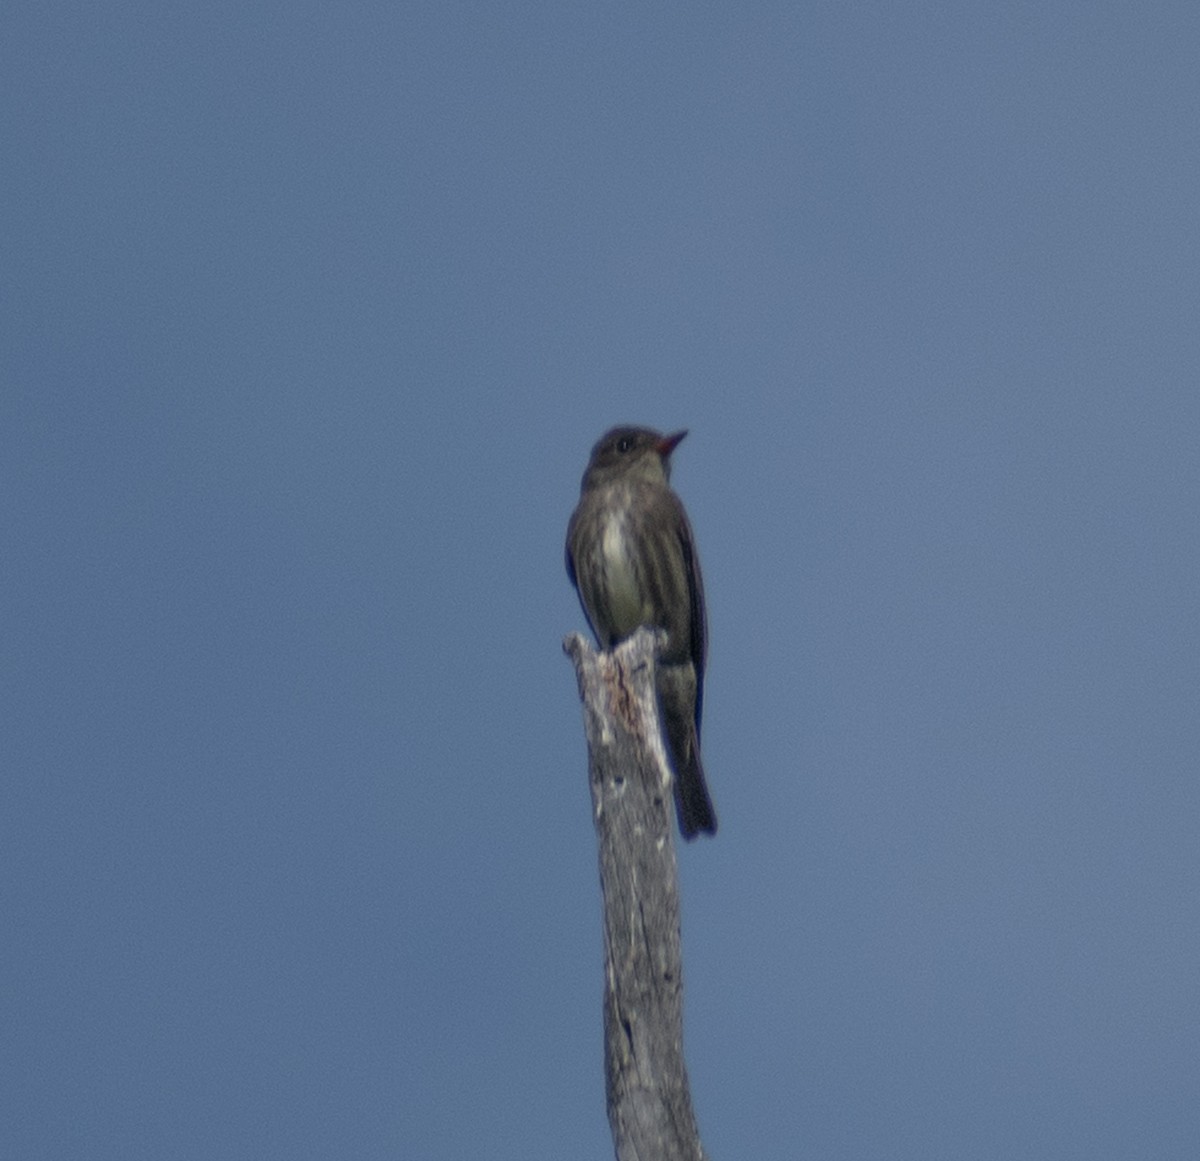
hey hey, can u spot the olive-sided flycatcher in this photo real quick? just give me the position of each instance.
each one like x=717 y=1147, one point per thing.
x=631 y=557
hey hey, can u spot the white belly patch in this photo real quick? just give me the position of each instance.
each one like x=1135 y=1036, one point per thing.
x=625 y=603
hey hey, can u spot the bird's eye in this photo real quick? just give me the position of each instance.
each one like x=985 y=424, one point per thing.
x=624 y=444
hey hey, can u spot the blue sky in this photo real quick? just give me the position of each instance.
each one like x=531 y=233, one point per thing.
x=311 y=315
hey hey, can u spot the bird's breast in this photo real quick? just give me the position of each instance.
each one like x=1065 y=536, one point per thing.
x=622 y=587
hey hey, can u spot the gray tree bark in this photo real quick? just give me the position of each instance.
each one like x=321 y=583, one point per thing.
x=649 y=1102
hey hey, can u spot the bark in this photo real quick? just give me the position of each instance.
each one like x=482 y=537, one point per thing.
x=649 y=1103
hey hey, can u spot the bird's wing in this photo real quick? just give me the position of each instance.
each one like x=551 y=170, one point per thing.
x=699 y=623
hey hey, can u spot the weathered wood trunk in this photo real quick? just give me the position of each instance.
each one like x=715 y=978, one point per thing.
x=649 y=1103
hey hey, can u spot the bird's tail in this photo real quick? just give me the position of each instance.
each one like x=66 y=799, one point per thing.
x=677 y=708
x=692 y=802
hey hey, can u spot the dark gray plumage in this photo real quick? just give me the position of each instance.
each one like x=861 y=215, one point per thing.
x=631 y=557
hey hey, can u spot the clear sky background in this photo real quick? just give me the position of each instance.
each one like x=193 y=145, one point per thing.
x=310 y=316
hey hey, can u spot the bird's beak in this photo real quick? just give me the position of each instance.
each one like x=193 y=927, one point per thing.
x=669 y=443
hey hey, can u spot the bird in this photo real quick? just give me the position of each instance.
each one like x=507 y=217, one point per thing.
x=632 y=558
